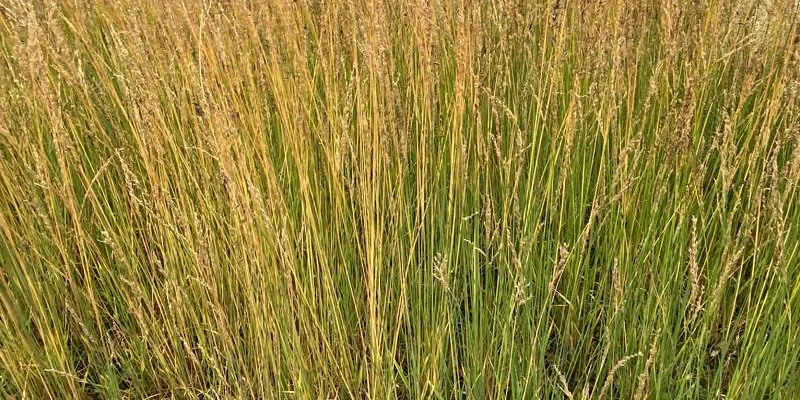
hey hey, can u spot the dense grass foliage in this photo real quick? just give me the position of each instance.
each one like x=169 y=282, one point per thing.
x=387 y=199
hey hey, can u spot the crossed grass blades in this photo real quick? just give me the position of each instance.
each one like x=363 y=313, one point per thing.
x=389 y=199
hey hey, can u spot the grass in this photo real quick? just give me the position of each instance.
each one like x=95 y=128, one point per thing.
x=387 y=199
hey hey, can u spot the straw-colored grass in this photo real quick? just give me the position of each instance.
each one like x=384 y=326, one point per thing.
x=399 y=199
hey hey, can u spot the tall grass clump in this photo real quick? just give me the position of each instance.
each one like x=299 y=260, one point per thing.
x=381 y=199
